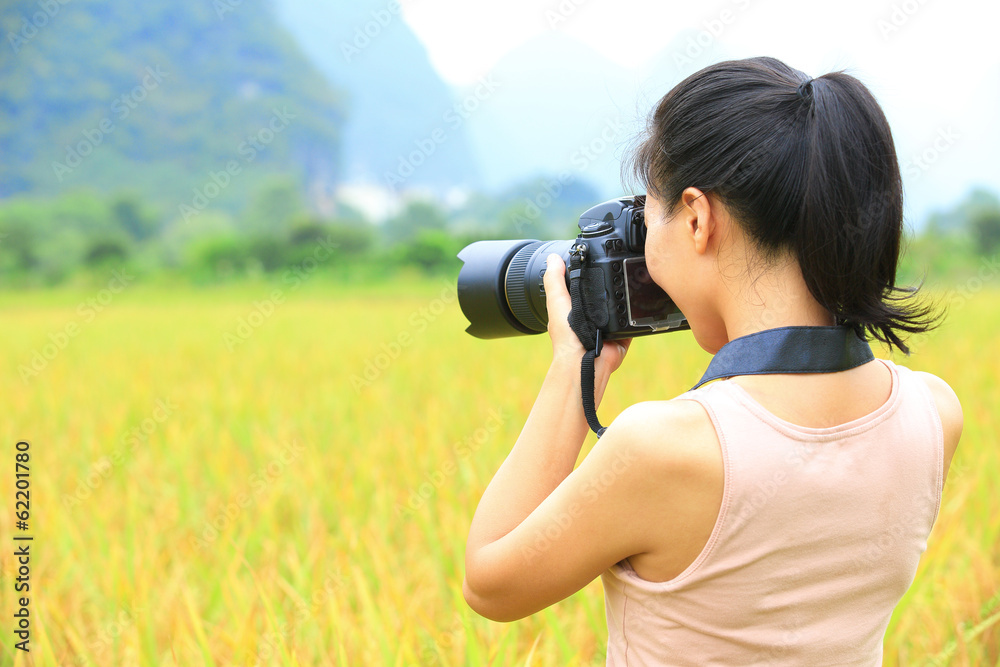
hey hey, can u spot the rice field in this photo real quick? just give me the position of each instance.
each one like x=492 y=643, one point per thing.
x=259 y=474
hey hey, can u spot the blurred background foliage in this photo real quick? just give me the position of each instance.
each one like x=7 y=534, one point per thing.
x=46 y=241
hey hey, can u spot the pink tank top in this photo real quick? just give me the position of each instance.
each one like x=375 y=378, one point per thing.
x=818 y=537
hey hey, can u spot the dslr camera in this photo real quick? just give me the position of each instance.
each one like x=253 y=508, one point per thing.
x=500 y=285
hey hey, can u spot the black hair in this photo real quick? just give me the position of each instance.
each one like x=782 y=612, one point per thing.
x=804 y=165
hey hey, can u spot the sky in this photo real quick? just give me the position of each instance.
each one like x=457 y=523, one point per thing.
x=933 y=66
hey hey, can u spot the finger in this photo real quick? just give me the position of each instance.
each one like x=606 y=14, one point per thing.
x=557 y=301
x=618 y=347
x=623 y=346
x=625 y=343
x=614 y=353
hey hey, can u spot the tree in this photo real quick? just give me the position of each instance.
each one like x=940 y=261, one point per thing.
x=273 y=207
x=985 y=226
x=132 y=217
x=416 y=217
x=19 y=236
x=105 y=251
x=431 y=250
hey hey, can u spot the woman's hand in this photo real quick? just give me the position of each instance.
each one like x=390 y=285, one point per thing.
x=566 y=347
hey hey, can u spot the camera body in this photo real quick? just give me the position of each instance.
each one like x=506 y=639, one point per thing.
x=501 y=290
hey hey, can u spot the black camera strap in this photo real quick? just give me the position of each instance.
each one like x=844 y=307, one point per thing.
x=586 y=321
x=795 y=349
x=789 y=350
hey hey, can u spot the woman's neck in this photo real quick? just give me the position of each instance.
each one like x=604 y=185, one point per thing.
x=774 y=297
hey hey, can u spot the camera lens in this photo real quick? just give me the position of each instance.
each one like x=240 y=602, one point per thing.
x=500 y=286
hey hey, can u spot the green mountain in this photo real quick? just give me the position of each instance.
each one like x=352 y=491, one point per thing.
x=398 y=104
x=186 y=104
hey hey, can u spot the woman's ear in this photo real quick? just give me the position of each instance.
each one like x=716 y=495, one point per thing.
x=697 y=217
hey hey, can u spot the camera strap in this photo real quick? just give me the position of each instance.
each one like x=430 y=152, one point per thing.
x=789 y=350
x=586 y=320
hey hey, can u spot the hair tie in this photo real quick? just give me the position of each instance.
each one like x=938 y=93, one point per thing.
x=805 y=89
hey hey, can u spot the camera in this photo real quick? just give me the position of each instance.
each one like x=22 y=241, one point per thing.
x=500 y=285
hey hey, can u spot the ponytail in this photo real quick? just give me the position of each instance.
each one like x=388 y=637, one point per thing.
x=848 y=231
x=806 y=166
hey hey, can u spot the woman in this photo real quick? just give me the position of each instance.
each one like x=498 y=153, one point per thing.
x=772 y=518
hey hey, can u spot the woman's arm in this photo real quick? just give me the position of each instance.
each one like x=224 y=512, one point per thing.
x=631 y=495
x=547 y=449
x=549 y=445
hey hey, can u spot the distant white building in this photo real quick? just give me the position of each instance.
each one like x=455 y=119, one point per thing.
x=376 y=202
x=379 y=203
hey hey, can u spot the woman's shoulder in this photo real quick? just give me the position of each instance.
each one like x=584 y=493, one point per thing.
x=949 y=408
x=682 y=486
x=670 y=432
